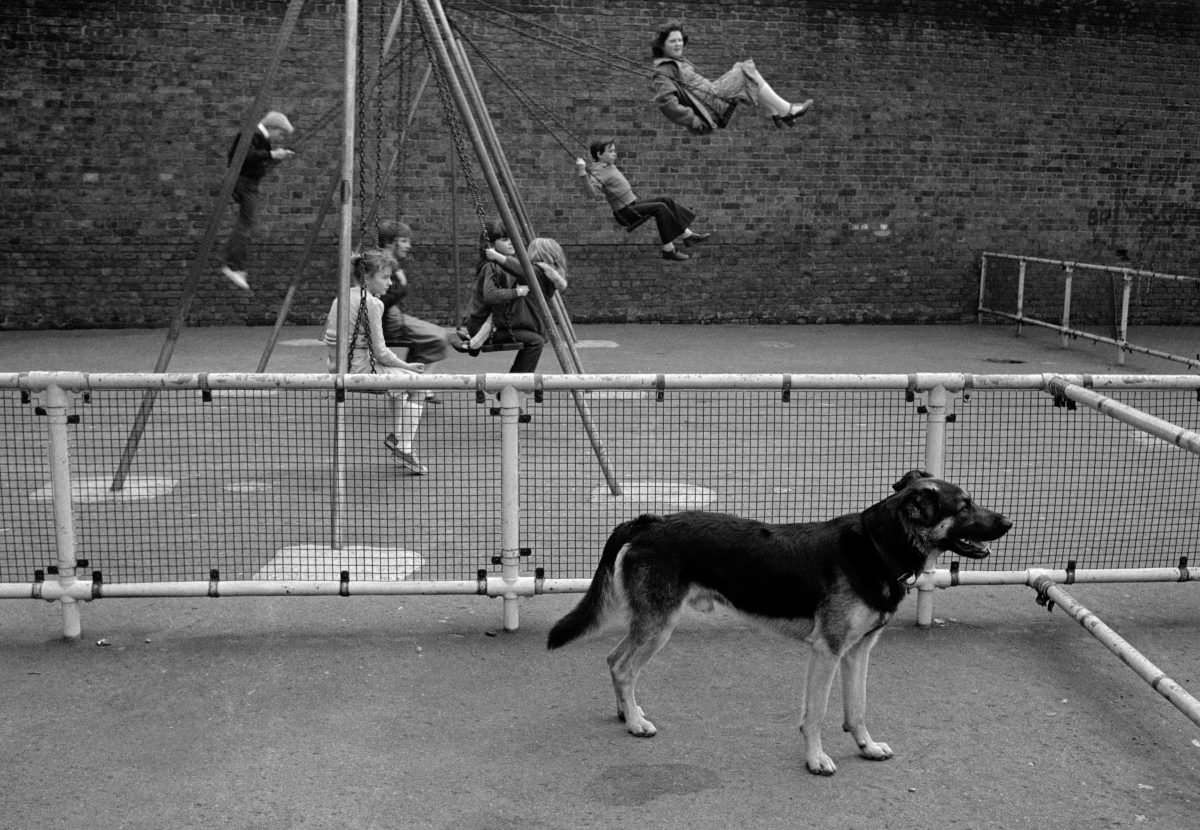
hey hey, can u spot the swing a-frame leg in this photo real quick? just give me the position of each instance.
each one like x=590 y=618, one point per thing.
x=457 y=83
x=249 y=122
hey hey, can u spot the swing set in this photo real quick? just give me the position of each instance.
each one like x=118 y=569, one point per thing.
x=469 y=122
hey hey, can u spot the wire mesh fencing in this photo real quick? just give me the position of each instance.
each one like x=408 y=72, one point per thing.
x=290 y=480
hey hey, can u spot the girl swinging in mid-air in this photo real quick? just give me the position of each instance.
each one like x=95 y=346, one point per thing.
x=688 y=98
x=369 y=353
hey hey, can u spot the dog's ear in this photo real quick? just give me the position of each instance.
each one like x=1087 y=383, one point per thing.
x=908 y=478
x=922 y=506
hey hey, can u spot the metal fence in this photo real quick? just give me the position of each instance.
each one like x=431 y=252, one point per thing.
x=1100 y=308
x=257 y=484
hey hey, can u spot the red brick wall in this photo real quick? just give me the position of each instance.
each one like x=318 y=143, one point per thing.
x=1061 y=129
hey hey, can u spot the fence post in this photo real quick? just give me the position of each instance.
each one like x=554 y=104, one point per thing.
x=1066 y=317
x=510 y=504
x=1123 y=323
x=982 y=287
x=1020 y=295
x=64 y=518
x=935 y=464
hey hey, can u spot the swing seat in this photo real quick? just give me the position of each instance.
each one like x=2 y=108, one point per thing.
x=499 y=347
x=459 y=345
x=630 y=227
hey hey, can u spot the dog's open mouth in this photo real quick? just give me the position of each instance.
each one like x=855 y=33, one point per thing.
x=970 y=548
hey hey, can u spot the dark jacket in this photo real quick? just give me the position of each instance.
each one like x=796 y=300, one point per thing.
x=258 y=157
x=496 y=294
x=681 y=105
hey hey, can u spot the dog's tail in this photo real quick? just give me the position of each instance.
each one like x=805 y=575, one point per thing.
x=589 y=613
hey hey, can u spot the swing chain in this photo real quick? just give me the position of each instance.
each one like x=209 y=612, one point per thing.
x=377 y=110
x=361 y=324
x=360 y=111
x=454 y=122
x=404 y=95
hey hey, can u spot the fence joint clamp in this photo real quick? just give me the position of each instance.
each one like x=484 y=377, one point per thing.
x=1043 y=595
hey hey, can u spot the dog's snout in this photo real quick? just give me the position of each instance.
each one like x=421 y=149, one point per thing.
x=1002 y=524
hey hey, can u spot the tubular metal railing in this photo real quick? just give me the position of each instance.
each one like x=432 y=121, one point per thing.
x=235 y=484
x=1064 y=327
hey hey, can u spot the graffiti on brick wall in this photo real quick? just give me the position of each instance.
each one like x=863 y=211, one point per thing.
x=1146 y=213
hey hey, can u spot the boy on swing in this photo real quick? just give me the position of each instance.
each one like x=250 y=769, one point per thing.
x=602 y=178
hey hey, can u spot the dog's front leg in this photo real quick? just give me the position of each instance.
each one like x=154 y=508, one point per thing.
x=854 y=698
x=821 y=667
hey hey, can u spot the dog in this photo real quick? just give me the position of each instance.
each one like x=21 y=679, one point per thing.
x=832 y=584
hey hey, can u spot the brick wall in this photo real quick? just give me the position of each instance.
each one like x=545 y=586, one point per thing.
x=941 y=129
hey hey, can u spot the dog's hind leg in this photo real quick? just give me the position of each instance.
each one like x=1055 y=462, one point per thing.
x=625 y=662
x=822 y=665
x=854 y=698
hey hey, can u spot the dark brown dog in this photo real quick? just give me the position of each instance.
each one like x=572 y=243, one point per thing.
x=833 y=584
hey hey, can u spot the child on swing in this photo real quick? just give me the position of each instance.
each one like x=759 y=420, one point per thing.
x=369 y=353
x=499 y=309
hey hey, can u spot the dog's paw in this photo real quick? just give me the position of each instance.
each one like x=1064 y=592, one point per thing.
x=639 y=727
x=821 y=765
x=643 y=730
x=875 y=751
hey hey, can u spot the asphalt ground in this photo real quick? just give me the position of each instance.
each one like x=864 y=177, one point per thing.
x=418 y=712
x=632 y=348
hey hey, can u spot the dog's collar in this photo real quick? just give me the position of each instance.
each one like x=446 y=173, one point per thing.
x=906 y=577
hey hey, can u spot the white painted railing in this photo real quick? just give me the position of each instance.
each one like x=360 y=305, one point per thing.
x=933 y=396
x=1064 y=326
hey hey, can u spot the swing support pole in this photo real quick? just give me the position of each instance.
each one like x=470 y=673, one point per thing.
x=443 y=46
x=556 y=303
x=345 y=243
x=200 y=262
x=286 y=306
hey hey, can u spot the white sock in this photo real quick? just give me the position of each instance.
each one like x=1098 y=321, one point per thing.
x=406 y=418
x=770 y=99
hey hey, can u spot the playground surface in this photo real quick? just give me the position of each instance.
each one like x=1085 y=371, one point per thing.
x=419 y=712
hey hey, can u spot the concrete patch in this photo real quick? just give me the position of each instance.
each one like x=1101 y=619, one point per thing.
x=668 y=494
x=90 y=490
x=320 y=562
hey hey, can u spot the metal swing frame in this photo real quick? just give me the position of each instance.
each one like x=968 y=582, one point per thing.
x=461 y=88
